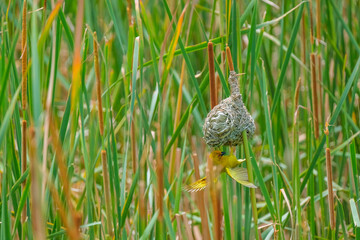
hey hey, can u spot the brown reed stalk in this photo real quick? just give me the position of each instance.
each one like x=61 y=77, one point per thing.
x=23 y=163
x=311 y=23
x=303 y=45
x=142 y=201
x=132 y=133
x=45 y=3
x=188 y=231
x=200 y=199
x=133 y=145
x=98 y=84
x=329 y=180
x=61 y=160
x=215 y=199
x=37 y=220
x=321 y=117
x=297 y=91
x=330 y=189
x=24 y=59
x=314 y=95
x=296 y=161
x=128 y=11
x=178 y=222
x=318 y=36
x=318 y=20
x=229 y=58
x=142 y=196
x=62 y=212
x=24 y=101
x=218 y=87
x=107 y=193
x=176 y=122
x=213 y=100
x=223 y=58
x=159 y=175
x=103 y=152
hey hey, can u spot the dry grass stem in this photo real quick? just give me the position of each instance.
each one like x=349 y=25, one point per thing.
x=314 y=95
x=229 y=58
x=23 y=162
x=142 y=186
x=215 y=196
x=213 y=100
x=311 y=23
x=320 y=89
x=303 y=45
x=98 y=85
x=297 y=91
x=200 y=199
x=128 y=11
x=318 y=20
x=62 y=212
x=61 y=162
x=176 y=121
x=107 y=193
x=37 y=220
x=330 y=189
x=218 y=88
x=188 y=231
x=159 y=176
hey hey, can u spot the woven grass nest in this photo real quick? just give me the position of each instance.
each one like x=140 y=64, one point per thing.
x=225 y=123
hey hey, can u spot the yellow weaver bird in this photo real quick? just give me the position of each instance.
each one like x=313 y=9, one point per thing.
x=228 y=164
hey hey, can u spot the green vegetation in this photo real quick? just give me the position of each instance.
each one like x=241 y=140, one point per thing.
x=102 y=106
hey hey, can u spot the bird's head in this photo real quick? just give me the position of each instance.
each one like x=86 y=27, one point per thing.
x=216 y=156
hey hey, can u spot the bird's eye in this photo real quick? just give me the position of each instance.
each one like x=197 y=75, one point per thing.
x=222 y=153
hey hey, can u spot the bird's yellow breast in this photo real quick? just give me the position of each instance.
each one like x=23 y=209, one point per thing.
x=225 y=161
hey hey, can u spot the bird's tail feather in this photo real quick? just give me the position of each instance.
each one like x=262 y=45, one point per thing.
x=196 y=186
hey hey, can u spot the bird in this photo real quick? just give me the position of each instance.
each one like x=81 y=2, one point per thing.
x=227 y=163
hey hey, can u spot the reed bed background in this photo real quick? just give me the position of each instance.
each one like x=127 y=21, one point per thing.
x=107 y=128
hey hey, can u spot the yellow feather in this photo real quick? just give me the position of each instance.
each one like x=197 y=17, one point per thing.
x=196 y=186
x=240 y=175
x=229 y=165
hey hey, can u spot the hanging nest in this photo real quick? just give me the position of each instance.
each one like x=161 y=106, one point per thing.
x=225 y=123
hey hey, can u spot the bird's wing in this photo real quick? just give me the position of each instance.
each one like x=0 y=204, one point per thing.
x=196 y=186
x=240 y=175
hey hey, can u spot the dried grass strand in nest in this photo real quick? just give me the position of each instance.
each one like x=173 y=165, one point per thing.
x=225 y=123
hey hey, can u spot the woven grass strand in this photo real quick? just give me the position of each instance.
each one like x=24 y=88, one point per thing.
x=225 y=123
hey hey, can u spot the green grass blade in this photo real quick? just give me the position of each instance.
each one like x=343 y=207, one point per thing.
x=6 y=120
x=286 y=61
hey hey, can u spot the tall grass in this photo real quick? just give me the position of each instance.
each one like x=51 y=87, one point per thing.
x=107 y=128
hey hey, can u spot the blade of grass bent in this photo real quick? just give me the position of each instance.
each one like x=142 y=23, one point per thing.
x=355 y=218
x=48 y=24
